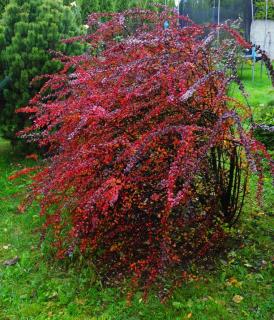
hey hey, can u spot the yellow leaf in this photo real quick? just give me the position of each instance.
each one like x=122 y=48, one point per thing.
x=114 y=247
x=237 y=298
x=232 y=281
x=261 y=214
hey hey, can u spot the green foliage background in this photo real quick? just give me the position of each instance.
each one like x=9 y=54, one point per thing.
x=260 y=9
x=3 y=3
x=88 y=6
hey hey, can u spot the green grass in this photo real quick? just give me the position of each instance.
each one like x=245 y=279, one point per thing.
x=261 y=93
x=39 y=288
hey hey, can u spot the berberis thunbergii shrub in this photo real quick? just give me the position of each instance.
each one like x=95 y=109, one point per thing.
x=149 y=156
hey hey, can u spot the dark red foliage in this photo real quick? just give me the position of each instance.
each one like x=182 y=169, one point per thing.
x=148 y=155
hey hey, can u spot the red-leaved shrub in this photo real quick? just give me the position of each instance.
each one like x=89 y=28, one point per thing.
x=148 y=155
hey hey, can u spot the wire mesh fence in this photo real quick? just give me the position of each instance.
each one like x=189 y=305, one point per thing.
x=219 y=11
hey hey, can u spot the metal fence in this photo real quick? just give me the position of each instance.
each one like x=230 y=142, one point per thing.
x=209 y=11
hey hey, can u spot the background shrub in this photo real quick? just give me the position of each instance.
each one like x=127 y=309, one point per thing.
x=28 y=29
x=264 y=117
x=89 y=6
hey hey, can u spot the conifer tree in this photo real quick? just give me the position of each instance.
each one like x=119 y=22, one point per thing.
x=28 y=30
x=3 y=3
x=89 y=6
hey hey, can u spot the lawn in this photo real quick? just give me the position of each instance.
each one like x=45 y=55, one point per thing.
x=237 y=286
x=261 y=93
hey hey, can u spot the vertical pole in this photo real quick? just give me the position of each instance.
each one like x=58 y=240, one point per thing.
x=215 y=13
x=182 y=12
x=253 y=71
x=177 y=3
x=253 y=62
x=219 y=18
x=265 y=32
x=265 y=23
x=252 y=18
x=219 y=11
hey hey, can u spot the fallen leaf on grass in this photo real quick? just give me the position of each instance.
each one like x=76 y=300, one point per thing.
x=237 y=298
x=53 y=295
x=248 y=265
x=234 y=282
x=263 y=264
x=32 y=156
x=21 y=208
x=11 y=262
